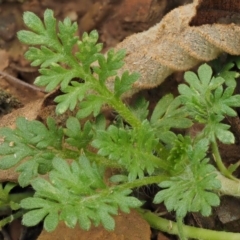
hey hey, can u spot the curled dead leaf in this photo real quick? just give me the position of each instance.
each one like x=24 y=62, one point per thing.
x=173 y=45
x=128 y=227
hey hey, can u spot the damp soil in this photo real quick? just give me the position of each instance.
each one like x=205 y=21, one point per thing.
x=114 y=20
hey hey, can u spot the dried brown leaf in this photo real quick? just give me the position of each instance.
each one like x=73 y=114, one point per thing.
x=128 y=227
x=173 y=45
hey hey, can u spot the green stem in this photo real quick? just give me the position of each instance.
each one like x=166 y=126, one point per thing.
x=115 y=103
x=17 y=197
x=68 y=153
x=162 y=165
x=129 y=185
x=190 y=232
x=125 y=112
x=228 y=186
x=102 y=160
x=142 y=182
x=6 y=209
x=10 y=218
x=180 y=228
x=219 y=162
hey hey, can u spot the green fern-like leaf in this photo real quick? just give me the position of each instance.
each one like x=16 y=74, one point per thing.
x=190 y=191
x=133 y=149
x=72 y=94
x=31 y=140
x=76 y=136
x=88 y=49
x=140 y=108
x=178 y=155
x=90 y=69
x=169 y=113
x=76 y=193
x=226 y=70
x=92 y=104
x=216 y=130
x=205 y=95
x=5 y=201
x=54 y=75
x=54 y=46
x=108 y=65
x=208 y=102
x=125 y=83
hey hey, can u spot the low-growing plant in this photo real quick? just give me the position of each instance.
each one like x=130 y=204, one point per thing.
x=142 y=146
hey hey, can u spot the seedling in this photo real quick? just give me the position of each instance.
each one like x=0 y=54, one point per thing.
x=143 y=148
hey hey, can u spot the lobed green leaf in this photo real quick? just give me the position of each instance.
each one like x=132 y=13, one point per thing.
x=138 y=146
x=55 y=75
x=140 y=108
x=88 y=49
x=189 y=192
x=72 y=95
x=92 y=104
x=108 y=65
x=78 y=137
x=76 y=192
x=123 y=84
x=168 y=113
x=31 y=140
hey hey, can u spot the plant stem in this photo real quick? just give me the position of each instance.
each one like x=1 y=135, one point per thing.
x=190 y=232
x=142 y=182
x=219 y=162
x=10 y=218
x=17 y=197
x=115 y=103
x=125 y=112
x=100 y=160
x=180 y=228
x=228 y=186
x=162 y=165
x=129 y=185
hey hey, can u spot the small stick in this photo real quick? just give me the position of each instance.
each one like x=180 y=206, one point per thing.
x=18 y=81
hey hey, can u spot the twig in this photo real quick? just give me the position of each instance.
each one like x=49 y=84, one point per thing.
x=23 y=69
x=18 y=81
